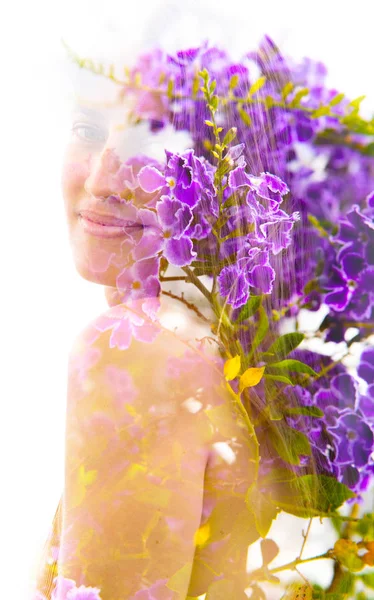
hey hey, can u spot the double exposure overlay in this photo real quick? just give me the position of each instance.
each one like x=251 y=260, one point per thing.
x=183 y=445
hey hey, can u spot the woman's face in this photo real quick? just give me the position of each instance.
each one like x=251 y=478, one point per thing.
x=100 y=190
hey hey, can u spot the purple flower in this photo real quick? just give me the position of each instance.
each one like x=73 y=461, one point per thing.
x=366 y=404
x=175 y=217
x=140 y=280
x=354 y=440
x=62 y=585
x=233 y=285
x=366 y=367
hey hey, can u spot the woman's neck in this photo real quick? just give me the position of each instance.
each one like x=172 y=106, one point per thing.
x=169 y=310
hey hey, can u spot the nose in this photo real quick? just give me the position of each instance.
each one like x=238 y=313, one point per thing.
x=121 y=144
x=103 y=167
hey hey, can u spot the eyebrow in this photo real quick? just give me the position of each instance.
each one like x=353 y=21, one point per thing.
x=104 y=115
x=89 y=112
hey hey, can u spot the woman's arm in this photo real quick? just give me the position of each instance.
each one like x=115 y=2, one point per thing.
x=135 y=464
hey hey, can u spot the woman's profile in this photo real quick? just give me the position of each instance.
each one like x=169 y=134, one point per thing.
x=152 y=446
x=192 y=421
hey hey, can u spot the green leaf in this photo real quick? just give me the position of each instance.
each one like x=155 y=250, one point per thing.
x=287 y=89
x=357 y=102
x=250 y=308
x=285 y=344
x=280 y=378
x=346 y=584
x=295 y=366
x=263 y=510
x=195 y=86
x=277 y=476
x=322 y=111
x=365 y=526
x=234 y=81
x=220 y=520
x=368 y=580
x=308 y=495
x=220 y=590
x=275 y=414
x=212 y=86
x=243 y=530
x=244 y=116
x=179 y=580
x=311 y=411
x=204 y=75
x=298 y=97
x=261 y=331
x=223 y=168
x=170 y=89
x=289 y=443
x=336 y=99
x=214 y=102
x=257 y=85
x=230 y=136
x=201 y=577
x=368 y=150
x=346 y=552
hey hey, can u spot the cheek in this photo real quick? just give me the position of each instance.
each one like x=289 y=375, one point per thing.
x=74 y=174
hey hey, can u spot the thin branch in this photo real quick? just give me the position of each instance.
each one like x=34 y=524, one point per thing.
x=291 y=566
x=173 y=278
x=188 y=304
x=200 y=286
x=305 y=536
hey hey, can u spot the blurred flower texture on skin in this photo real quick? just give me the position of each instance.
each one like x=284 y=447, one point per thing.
x=66 y=589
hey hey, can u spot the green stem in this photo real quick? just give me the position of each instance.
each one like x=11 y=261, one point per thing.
x=291 y=566
x=200 y=286
x=301 y=561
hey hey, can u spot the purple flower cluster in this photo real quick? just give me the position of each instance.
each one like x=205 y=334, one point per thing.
x=255 y=226
x=291 y=218
x=350 y=281
x=342 y=441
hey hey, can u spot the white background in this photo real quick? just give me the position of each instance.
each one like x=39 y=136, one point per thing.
x=44 y=302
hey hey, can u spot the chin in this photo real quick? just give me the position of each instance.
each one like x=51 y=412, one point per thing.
x=96 y=272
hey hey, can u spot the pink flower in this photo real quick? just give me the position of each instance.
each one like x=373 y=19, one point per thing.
x=84 y=593
x=140 y=280
x=66 y=589
x=125 y=323
x=120 y=179
x=38 y=596
x=62 y=585
x=123 y=390
x=157 y=591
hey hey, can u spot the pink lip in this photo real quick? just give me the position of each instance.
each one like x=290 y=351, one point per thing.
x=107 y=226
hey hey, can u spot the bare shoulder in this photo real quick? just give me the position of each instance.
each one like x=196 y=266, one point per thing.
x=122 y=363
x=136 y=359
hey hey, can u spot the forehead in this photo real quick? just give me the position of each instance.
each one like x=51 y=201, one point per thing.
x=98 y=96
x=107 y=111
